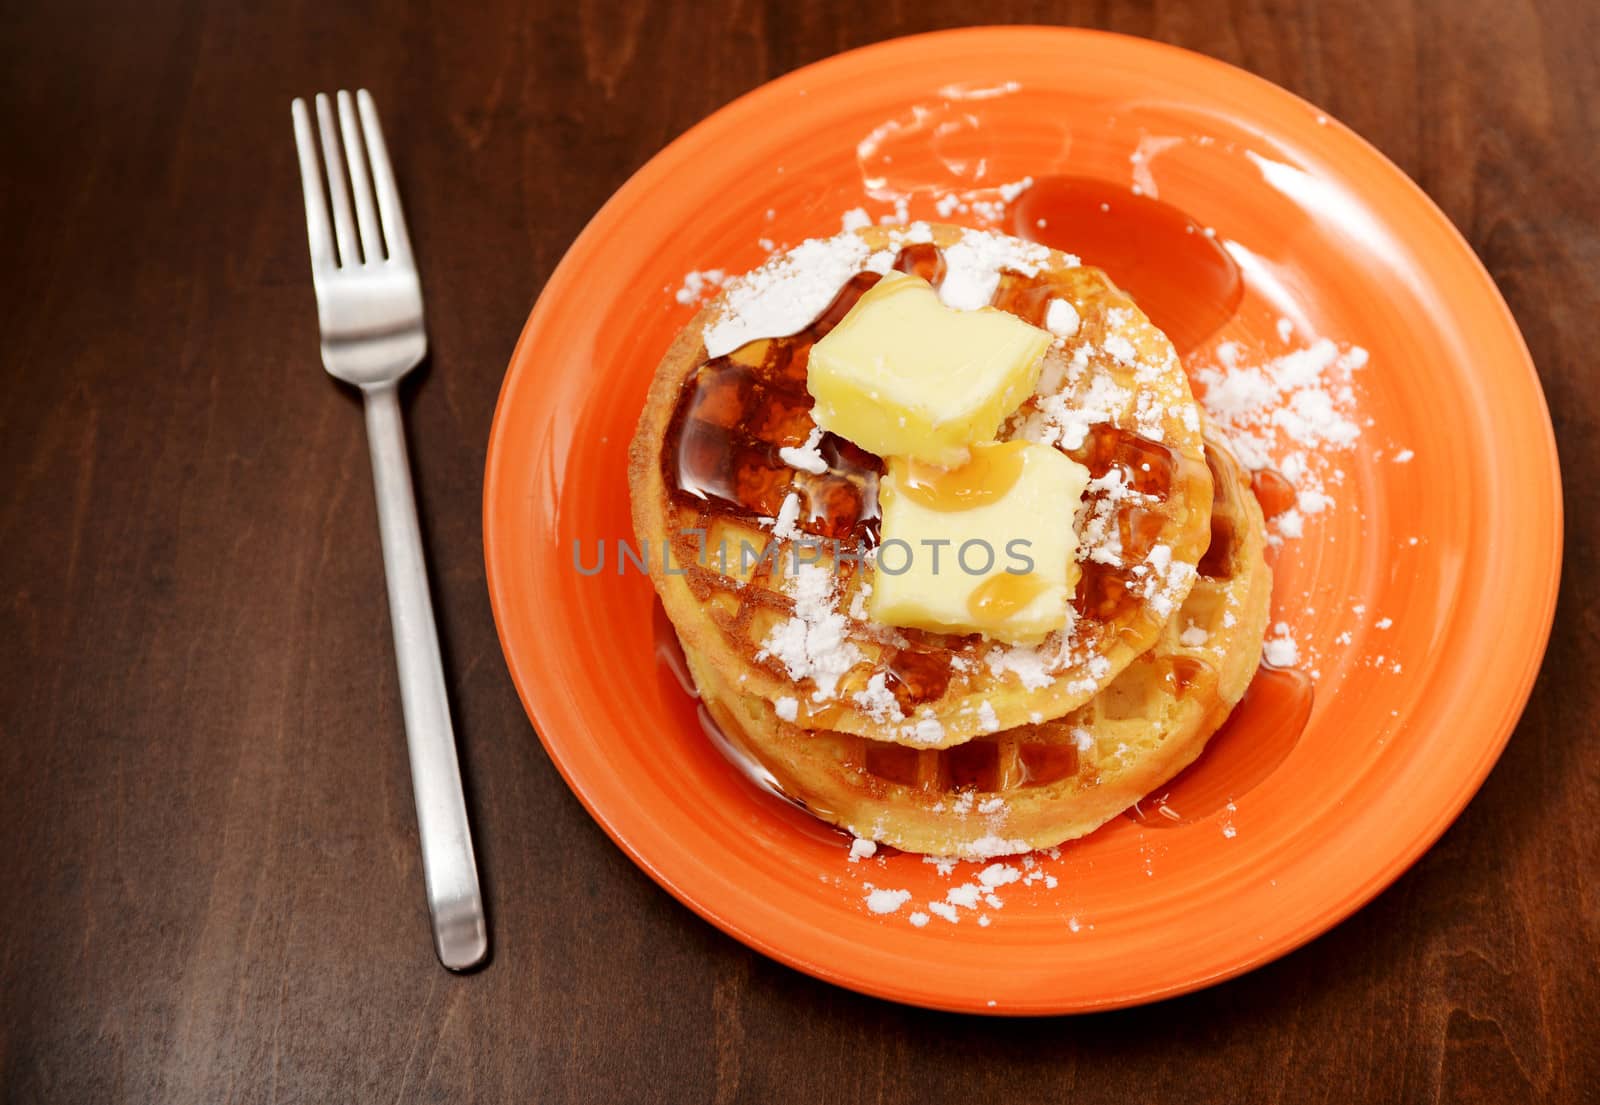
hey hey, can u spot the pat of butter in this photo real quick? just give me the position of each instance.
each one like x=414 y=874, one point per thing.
x=985 y=548
x=904 y=375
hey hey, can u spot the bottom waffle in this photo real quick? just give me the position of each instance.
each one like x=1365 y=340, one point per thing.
x=1038 y=785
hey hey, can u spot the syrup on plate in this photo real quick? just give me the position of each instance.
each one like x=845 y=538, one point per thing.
x=1273 y=491
x=1177 y=273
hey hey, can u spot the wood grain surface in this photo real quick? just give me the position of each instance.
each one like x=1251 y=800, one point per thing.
x=209 y=884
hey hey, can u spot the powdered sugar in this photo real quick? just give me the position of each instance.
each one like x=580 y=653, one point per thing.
x=806 y=457
x=973 y=265
x=987 y=847
x=855 y=219
x=886 y=901
x=1026 y=663
x=699 y=285
x=1280 y=649
x=877 y=701
x=1294 y=413
x=984 y=889
x=987 y=717
x=1061 y=318
x=998 y=874
x=786 y=526
x=927 y=730
x=784 y=295
x=812 y=644
x=1305 y=394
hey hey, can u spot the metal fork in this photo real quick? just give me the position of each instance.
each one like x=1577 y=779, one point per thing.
x=369 y=304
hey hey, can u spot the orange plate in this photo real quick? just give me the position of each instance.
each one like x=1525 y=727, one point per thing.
x=1329 y=230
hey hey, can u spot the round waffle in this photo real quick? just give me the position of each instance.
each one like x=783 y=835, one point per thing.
x=709 y=484
x=1038 y=785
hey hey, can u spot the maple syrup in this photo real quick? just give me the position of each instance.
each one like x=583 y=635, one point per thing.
x=1147 y=466
x=736 y=412
x=1217 y=561
x=923 y=259
x=1043 y=764
x=916 y=676
x=1273 y=491
x=974 y=765
x=990 y=473
x=1178 y=274
x=1002 y=595
x=893 y=763
x=780 y=800
x=722 y=730
x=1104 y=591
x=971 y=766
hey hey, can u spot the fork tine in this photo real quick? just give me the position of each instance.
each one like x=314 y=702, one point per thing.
x=394 y=219
x=311 y=184
x=371 y=235
x=343 y=224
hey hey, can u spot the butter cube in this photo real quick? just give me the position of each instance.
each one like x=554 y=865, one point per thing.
x=904 y=375
x=985 y=548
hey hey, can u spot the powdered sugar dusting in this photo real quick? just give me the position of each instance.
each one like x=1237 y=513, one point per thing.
x=973 y=266
x=979 y=888
x=877 y=701
x=807 y=457
x=812 y=644
x=698 y=285
x=1280 y=649
x=784 y=295
x=1294 y=413
x=886 y=901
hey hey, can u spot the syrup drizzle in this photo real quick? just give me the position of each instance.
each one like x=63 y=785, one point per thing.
x=736 y=413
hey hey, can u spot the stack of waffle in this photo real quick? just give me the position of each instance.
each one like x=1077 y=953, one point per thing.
x=761 y=532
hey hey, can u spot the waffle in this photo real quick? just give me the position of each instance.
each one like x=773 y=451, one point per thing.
x=1036 y=786
x=709 y=484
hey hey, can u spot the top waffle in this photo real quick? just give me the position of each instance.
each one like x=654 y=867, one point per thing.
x=777 y=604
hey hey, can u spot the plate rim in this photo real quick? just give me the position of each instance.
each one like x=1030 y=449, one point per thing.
x=1353 y=899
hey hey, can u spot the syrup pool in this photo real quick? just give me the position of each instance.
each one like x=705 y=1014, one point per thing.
x=1177 y=272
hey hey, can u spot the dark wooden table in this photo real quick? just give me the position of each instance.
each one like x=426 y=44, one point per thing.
x=209 y=884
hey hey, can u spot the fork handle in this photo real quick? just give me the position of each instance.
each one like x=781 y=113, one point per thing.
x=455 y=902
